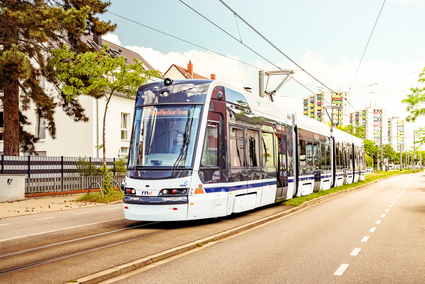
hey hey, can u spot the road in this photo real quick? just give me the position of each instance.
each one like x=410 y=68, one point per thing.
x=29 y=225
x=372 y=235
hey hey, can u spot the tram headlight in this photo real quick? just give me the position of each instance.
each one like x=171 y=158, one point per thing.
x=130 y=191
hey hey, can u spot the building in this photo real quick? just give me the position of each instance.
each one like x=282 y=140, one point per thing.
x=336 y=104
x=79 y=139
x=378 y=123
x=375 y=122
x=176 y=72
x=396 y=136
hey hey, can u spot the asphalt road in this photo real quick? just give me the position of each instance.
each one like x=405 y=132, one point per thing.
x=372 y=235
x=29 y=225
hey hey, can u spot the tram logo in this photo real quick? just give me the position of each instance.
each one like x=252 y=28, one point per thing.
x=146 y=192
x=186 y=183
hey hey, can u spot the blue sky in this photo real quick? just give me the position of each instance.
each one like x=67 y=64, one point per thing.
x=327 y=38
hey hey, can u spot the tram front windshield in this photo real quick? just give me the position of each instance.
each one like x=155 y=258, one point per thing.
x=164 y=136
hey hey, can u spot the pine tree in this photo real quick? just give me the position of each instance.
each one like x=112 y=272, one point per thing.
x=29 y=31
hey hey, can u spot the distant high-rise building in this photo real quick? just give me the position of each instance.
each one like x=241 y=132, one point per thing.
x=376 y=120
x=396 y=133
x=336 y=104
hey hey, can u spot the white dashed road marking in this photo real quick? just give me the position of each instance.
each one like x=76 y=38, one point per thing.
x=386 y=210
x=341 y=269
x=378 y=222
x=4 y=224
x=355 y=251
x=372 y=229
x=364 y=239
x=383 y=215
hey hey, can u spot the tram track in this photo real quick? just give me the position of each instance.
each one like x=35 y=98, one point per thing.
x=84 y=251
x=17 y=261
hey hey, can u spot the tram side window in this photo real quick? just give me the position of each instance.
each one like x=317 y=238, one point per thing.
x=323 y=152
x=267 y=146
x=302 y=151
x=253 y=148
x=317 y=155
x=328 y=155
x=309 y=153
x=210 y=150
x=237 y=148
x=338 y=156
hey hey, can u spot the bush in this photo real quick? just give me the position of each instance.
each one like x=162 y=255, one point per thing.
x=107 y=180
x=120 y=166
x=86 y=167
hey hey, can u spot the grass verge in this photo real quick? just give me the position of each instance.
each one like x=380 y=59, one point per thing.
x=111 y=196
x=368 y=178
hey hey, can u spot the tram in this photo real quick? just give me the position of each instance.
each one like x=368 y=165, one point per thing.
x=205 y=149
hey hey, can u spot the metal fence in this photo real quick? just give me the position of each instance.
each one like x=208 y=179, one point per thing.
x=46 y=167
x=62 y=184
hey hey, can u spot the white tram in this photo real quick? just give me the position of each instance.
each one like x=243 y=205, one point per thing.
x=204 y=149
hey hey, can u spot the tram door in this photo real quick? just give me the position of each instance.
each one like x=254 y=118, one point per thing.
x=282 y=167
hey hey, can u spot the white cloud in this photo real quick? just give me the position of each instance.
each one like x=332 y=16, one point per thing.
x=204 y=63
x=394 y=80
x=112 y=38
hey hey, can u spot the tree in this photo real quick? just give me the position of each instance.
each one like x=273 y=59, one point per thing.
x=415 y=101
x=29 y=30
x=358 y=132
x=106 y=75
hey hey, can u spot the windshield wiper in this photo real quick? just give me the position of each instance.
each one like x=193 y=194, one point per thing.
x=185 y=147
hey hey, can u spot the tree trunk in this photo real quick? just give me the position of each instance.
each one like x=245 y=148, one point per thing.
x=11 y=118
x=11 y=95
x=108 y=99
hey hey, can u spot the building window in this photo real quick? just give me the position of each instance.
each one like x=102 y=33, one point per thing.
x=124 y=126
x=40 y=127
x=123 y=153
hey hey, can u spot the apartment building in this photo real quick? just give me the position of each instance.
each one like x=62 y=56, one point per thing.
x=376 y=120
x=396 y=136
x=336 y=104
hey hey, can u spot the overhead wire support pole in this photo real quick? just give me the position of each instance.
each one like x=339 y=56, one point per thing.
x=280 y=51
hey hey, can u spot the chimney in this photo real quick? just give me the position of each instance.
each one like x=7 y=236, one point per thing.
x=212 y=76
x=190 y=68
x=97 y=39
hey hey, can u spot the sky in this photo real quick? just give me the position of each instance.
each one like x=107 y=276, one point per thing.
x=326 y=38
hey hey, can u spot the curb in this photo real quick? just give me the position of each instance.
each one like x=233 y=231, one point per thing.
x=130 y=266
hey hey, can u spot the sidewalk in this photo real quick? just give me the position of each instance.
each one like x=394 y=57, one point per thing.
x=35 y=205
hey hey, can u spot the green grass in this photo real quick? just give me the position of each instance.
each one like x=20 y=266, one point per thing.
x=111 y=196
x=368 y=179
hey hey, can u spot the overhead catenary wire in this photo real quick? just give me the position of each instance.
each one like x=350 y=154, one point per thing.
x=220 y=54
x=367 y=44
x=275 y=47
x=374 y=84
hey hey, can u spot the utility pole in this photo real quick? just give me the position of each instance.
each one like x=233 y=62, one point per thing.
x=400 y=159
x=381 y=144
x=414 y=150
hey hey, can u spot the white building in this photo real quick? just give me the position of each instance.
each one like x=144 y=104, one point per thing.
x=376 y=120
x=79 y=139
